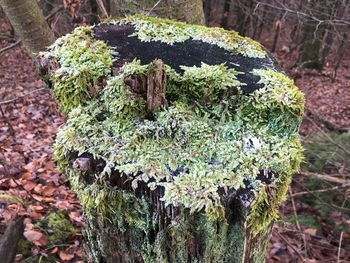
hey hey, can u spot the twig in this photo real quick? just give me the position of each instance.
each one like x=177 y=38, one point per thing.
x=12 y=130
x=54 y=12
x=24 y=95
x=23 y=188
x=156 y=4
x=291 y=246
x=325 y=177
x=297 y=221
x=329 y=125
x=327 y=136
x=321 y=190
x=339 y=248
x=10 y=46
x=321 y=201
x=102 y=8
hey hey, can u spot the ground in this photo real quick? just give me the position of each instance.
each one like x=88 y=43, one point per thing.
x=35 y=189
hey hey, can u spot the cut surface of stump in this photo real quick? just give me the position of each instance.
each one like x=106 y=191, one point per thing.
x=180 y=140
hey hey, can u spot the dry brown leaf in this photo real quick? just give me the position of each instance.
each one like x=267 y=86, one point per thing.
x=33 y=235
x=310 y=231
x=54 y=251
x=49 y=190
x=28 y=185
x=42 y=242
x=65 y=256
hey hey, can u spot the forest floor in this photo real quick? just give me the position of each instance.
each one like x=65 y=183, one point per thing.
x=315 y=219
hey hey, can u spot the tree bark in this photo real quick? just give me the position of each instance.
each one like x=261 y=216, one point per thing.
x=29 y=23
x=8 y=242
x=313 y=34
x=183 y=10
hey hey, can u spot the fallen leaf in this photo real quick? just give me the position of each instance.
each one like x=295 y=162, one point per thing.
x=42 y=242
x=54 y=251
x=32 y=235
x=310 y=231
x=65 y=256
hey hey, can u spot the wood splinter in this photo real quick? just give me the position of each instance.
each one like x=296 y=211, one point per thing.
x=152 y=86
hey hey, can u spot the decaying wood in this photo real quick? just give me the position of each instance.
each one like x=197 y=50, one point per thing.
x=9 y=241
x=152 y=86
x=156 y=81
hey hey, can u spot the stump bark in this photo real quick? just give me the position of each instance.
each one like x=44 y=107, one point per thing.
x=185 y=148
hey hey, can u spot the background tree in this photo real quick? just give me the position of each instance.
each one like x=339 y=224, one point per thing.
x=183 y=10
x=29 y=23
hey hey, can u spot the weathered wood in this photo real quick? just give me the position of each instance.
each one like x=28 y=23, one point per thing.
x=9 y=241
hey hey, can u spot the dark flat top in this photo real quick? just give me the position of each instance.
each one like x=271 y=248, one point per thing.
x=188 y=53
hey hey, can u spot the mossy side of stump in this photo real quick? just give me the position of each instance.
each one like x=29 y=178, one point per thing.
x=180 y=140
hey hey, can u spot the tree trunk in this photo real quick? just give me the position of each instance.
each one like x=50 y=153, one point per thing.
x=9 y=241
x=29 y=23
x=182 y=10
x=174 y=151
x=310 y=53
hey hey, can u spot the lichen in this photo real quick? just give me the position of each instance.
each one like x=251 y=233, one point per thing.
x=170 y=32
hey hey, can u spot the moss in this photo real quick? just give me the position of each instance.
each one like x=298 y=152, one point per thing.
x=170 y=32
x=211 y=136
x=198 y=137
x=269 y=197
x=82 y=62
x=121 y=208
x=57 y=226
x=24 y=248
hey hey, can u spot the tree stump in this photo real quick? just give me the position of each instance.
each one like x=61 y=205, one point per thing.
x=180 y=140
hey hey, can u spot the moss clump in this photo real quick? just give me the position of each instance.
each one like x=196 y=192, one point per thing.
x=170 y=32
x=82 y=61
x=121 y=208
x=57 y=226
x=205 y=140
x=211 y=137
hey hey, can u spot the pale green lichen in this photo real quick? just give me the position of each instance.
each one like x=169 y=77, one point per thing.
x=170 y=32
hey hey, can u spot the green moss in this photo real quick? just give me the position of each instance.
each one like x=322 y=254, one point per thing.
x=170 y=32
x=211 y=136
x=24 y=248
x=82 y=62
x=120 y=208
x=57 y=227
x=203 y=137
